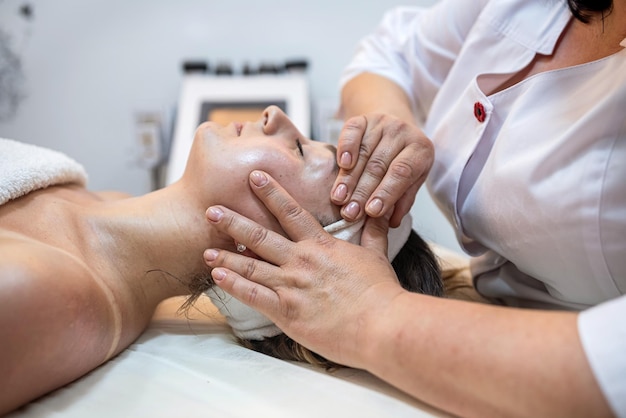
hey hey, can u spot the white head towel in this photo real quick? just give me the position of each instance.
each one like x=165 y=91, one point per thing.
x=351 y=232
x=250 y=324
x=25 y=168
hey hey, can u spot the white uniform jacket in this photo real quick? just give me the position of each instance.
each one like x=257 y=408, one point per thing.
x=533 y=177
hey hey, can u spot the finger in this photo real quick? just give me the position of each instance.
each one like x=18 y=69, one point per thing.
x=250 y=268
x=348 y=151
x=377 y=153
x=349 y=141
x=404 y=205
x=360 y=137
x=297 y=222
x=252 y=294
x=344 y=184
x=375 y=234
x=406 y=172
x=267 y=244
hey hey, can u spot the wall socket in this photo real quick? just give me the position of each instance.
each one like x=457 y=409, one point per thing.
x=149 y=139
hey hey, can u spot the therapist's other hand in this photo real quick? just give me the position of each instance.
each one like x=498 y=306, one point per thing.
x=322 y=292
x=383 y=162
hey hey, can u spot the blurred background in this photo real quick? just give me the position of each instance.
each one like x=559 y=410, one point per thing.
x=99 y=80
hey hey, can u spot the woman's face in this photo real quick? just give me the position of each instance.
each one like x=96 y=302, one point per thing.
x=224 y=156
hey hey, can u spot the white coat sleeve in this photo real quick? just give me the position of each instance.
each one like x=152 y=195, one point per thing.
x=416 y=47
x=602 y=331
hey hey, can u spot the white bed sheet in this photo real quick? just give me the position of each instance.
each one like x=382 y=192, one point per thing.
x=192 y=367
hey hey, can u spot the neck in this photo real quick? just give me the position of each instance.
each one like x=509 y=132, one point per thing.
x=157 y=237
x=607 y=30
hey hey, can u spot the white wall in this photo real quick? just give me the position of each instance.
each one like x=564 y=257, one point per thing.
x=89 y=66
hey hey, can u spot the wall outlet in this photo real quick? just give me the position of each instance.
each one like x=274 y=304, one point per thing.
x=149 y=139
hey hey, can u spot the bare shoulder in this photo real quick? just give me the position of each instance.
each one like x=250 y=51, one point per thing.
x=25 y=260
x=19 y=255
x=49 y=303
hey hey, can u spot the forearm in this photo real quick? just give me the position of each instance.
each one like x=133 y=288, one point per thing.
x=478 y=360
x=372 y=93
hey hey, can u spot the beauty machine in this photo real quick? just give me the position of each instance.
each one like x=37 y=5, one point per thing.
x=230 y=98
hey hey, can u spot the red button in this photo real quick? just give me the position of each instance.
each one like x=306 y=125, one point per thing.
x=479 y=112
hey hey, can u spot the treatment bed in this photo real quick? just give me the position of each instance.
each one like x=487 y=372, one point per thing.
x=189 y=365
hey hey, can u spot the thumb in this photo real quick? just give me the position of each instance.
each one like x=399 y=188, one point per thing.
x=375 y=233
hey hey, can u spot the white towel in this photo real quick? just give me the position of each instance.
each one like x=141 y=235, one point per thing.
x=25 y=168
x=247 y=323
x=351 y=232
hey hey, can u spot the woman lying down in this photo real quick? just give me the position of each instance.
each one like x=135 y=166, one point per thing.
x=93 y=267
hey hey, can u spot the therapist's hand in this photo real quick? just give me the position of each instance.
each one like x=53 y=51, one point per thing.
x=383 y=162
x=322 y=292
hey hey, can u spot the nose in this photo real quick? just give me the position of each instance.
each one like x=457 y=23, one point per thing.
x=275 y=120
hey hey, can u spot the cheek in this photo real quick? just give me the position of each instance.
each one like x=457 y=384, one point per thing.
x=281 y=168
x=235 y=193
x=261 y=215
x=320 y=185
x=236 y=155
x=312 y=193
x=232 y=168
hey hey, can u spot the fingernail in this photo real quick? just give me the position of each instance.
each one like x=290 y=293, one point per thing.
x=210 y=255
x=341 y=192
x=375 y=207
x=258 y=178
x=345 y=160
x=214 y=214
x=218 y=274
x=352 y=210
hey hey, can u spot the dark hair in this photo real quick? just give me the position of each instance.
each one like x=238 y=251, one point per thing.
x=417 y=270
x=583 y=10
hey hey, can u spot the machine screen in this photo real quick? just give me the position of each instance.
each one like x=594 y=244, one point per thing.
x=227 y=112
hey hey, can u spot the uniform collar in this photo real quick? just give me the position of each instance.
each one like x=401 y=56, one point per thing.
x=534 y=24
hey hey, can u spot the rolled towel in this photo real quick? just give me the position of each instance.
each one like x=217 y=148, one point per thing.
x=351 y=232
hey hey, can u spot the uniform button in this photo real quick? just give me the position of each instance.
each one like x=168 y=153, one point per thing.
x=479 y=112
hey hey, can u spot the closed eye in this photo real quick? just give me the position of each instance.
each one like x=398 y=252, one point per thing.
x=299 y=145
